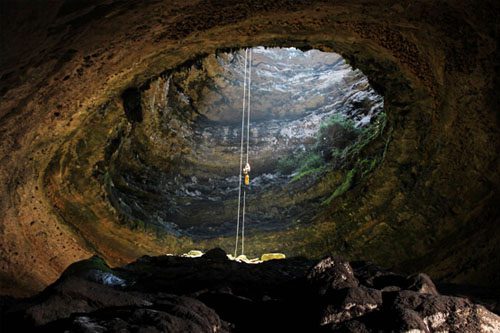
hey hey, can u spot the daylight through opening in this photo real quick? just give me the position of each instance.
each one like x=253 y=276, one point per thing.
x=311 y=116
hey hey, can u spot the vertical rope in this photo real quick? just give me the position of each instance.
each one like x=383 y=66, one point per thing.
x=243 y=224
x=241 y=153
x=248 y=150
x=248 y=104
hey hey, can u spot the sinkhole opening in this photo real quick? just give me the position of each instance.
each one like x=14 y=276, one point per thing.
x=313 y=123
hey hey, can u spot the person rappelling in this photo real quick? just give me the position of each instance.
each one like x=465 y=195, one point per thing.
x=246 y=172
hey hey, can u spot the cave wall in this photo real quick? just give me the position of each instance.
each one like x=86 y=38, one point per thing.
x=431 y=204
x=177 y=170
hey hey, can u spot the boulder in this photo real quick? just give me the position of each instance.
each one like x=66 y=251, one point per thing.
x=72 y=295
x=331 y=274
x=376 y=277
x=406 y=320
x=172 y=314
x=216 y=254
x=442 y=313
x=350 y=303
x=421 y=283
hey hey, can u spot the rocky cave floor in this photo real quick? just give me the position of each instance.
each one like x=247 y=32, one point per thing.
x=214 y=294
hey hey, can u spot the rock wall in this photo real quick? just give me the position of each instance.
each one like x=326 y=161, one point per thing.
x=431 y=204
x=176 y=170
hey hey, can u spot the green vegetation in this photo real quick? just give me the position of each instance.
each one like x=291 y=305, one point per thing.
x=335 y=135
x=354 y=158
x=312 y=163
x=304 y=163
x=337 y=119
x=84 y=266
x=339 y=146
x=367 y=165
x=288 y=164
x=342 y=188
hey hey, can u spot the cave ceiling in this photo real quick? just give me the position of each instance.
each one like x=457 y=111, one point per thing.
x=422 y=193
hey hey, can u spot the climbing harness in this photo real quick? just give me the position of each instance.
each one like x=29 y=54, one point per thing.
x=246 y=170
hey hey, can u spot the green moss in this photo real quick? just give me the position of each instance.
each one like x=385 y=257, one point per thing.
x=287 y=164
x=307 y=172
x=311 y=161
x=344 y=187
x=336 y=119
x=369 y=133
x=339 y=146
x=303 y=163
x=367 y=165
x=84 y=266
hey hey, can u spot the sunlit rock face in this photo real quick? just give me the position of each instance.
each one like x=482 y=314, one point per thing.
x=178 y=170
x=83 y=165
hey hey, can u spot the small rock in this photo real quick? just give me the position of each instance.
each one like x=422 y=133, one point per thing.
x=422 y=283
x=407 y=320
x=331 y=273
x=350 y=303
x=105 y=278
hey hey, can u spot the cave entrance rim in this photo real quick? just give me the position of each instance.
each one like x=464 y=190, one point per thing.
x=331 y=102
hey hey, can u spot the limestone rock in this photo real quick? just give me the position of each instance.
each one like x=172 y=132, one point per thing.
x=72 y=295
x=331 y=274
x=173 y=314
x=440 y=313
x=349 y=303
x=422 y=283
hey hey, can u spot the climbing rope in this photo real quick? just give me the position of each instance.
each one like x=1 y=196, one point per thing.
x=241 y=153
x=246 y=169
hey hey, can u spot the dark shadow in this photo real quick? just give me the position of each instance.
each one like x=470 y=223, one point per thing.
x=131 y=98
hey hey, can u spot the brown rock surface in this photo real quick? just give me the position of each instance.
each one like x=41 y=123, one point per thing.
x=432 y=203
